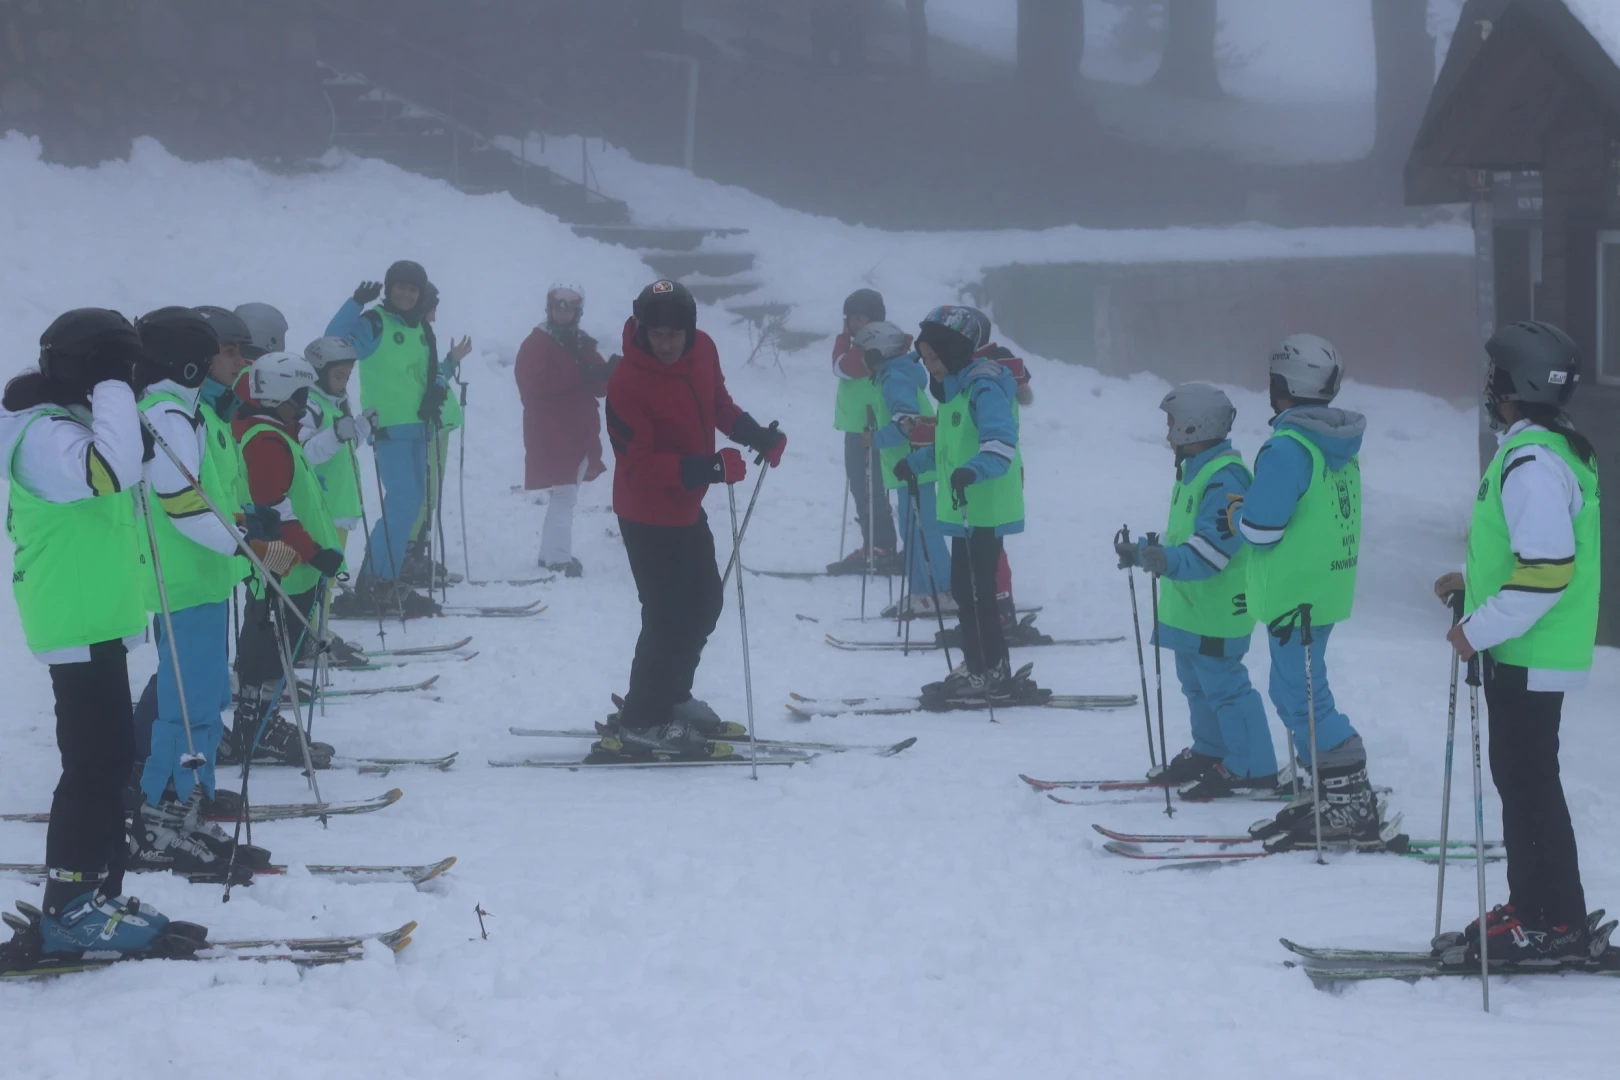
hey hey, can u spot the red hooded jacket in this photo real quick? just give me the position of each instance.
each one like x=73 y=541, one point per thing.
x=657 y=414
x=562 y=426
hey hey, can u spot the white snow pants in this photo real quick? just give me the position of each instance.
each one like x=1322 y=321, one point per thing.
x=557 y=534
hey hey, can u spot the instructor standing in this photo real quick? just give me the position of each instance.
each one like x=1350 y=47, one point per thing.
x=665 y=402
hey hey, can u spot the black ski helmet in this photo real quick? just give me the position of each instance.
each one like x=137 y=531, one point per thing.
x=230 y=328
x=667 y=304
x=180 y=342
x=406 y=272
x=867 y=303
x=1534 y=363
x=76 y=337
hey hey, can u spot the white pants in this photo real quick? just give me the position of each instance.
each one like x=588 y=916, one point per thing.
x=557 y=535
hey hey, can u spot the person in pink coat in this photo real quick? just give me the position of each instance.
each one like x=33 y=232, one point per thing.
x=560 y=377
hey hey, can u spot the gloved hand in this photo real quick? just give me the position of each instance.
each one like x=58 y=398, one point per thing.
x=1154 y=560
x=904 y=473
x=261 y=523
x=1129 y=553
x=961 y=480
x=698 y=471
x=922 y=432
x=352 y=429
x=432 y=401
x=770 y=444
x=367 y=292
x=328 y=561
x=277 y=557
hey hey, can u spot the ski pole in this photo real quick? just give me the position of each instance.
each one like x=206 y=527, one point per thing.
x=871 y=513
x=742 y=618
x=388 y=540
x=461 y=481
x=277 y=621
x=1306 y=641
x=441 y=454
x=242 y=546
x=902 y=625
x=321 y=671
x=1124 y=537
x=913 y=493
x=748 y=516
x=1456 y=602
x=1479 y=830
x=843 y=525
x=973 y=592
x=365 y=523
x=1158 y=676
x=190 y=759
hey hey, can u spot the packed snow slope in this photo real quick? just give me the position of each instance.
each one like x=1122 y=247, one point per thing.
x=925 y=915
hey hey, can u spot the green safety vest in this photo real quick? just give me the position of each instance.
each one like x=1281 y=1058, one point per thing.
x=991 y=503
x=337 y=473
x=193 y=574
x=79 y=567
x=1563 y=638
x=395 y=374
x=1215 y=607
x=309 y=506
x=855 y=397
x=890 y=456
x=1315 y=561
x=222 y=441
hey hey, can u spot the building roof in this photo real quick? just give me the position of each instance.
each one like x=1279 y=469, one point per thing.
x=1602 y=20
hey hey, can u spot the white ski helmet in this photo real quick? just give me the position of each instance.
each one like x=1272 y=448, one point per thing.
x=567 y=290
x=1198 y=413
x=275 y=378
x=1308 y=367
x=887 y=339
x=326 y=351
x=267 y=325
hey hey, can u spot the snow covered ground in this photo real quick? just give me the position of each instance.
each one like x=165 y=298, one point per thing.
x=921 y=916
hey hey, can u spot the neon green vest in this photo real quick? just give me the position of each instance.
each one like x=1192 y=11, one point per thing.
x=337 y=473
x=1215 y=607
x=221 y=441
x=855 y=396
x=1562 y=639
x=395 y=375
x=991 y=503
x=79 y=567
x=193 y=574
x=1315 y=561
x=309 y=506
x=891 y=455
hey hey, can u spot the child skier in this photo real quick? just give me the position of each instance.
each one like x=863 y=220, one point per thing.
x=980 y=496
x=282 y=485
x=1531 y=595
x=855 y=416
x=560 y=377
x=665 y=402
x=1302 y=519
x=1203 y=615
x=903 y=407
x=200 y=569
x=72 y=440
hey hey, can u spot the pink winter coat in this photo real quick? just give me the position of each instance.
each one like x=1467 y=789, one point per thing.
x=562 y=424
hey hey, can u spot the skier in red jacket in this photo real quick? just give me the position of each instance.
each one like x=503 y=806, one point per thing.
x=665 y=402
x=560 y=374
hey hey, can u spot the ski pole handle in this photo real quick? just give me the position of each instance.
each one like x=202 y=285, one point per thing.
x=1305 y=637
x=1455 y=601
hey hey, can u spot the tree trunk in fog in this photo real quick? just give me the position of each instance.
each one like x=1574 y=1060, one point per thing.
x=1051 y=38
x=1405 y=61
x=1187 y=66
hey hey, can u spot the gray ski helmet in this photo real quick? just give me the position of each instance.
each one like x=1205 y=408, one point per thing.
x=229 y=328
x=867 y=303
x=1531 y=362
x=1198 y=413
x=884 y=338
x=323 y=352
x=266 y=325
x=1308 y=367
x=985 y=333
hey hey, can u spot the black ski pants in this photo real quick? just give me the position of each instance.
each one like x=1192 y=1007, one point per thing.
x=1544 y=873
x=95 y=733
x=858 y=458
x=983 y=644
x=258 y=655
x=681 y=600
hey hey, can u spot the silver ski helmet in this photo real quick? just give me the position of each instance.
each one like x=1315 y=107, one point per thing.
x=1534 y=363
x=266 y=326
x=230 y=329
x=276 y=378
x=1306 y=368
x=326 y=351
x=1198 y=413
x=883 y=338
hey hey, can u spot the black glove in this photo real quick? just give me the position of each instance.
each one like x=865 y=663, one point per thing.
x=698 y=471
x=327 y=561
x=263 y=523
x=1154 y=560
x=367 y=292
x=432 y=401
x=904 y=473
x=962 y=479
x=1129 y=554
x=764 y=441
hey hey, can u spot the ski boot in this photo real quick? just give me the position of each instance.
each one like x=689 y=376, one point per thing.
x=1515 y=941
x=1220 y=783
x=1022 y=632
x=855 y=563
x=1468 y=936
x=82 y=922
x=573 y=568
x=220 y=842
x=675 y=740
x=1015 y=688
x=421 y=572
x=1350 y=815
x=224 y=806
x=697 y=715
x=351 y=603
x=1184 y=768
x=159 y=839
x=921 y=606
x=279 y=745
x=959 y=683
x=339 y=653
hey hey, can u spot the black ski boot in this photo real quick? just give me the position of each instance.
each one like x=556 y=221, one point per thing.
x=209 y=832
x=673 y=741
x=1517 y=941
x=1350 y=814
x=1022 y=632
x=573 y=568
x=1219 y=783
x=1184 y=768
x=160 y=839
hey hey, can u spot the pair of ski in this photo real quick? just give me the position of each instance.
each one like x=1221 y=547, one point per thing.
x=484 y=611
x=935 y=646
x=771 y=745
x=1149 y=789
x=261 y=812
x=306 y=691
x=454 y=652
x=1203 y=849
x=340 y=874
x=808 y=707
x=1331 y=967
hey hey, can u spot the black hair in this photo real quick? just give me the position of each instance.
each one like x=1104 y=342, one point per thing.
x=32 y=389
x=1553 y=418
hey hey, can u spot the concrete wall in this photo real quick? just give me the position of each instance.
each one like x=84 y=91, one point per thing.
x=1400 y=321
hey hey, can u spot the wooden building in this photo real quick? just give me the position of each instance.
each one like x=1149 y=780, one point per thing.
x=1524 y=124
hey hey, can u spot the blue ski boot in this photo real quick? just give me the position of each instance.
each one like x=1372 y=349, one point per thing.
x=89 y=922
